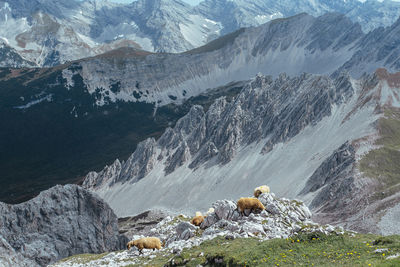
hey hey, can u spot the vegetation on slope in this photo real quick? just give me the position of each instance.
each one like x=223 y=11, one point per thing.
x=383 y=163
x=304 y=250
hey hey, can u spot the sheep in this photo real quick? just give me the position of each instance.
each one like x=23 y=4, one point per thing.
x=261 y=190
x=210 y=210
x=198 y=219
x=145 y=242
x=249 y=203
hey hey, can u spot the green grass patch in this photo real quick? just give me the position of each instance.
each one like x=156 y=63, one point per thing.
x=383 y=163
x=303 y=250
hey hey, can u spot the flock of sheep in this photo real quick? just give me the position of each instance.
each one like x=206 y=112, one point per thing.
x=244 y=203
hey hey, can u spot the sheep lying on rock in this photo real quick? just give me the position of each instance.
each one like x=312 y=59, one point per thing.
x=250 y=203
x=145 y=242
x=261 y=190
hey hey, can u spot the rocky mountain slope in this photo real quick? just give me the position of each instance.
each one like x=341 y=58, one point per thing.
x=58 y=116
x=282 y=218
x=294 y=45
x=60 y=222
x=52 y=32
x=306 y=136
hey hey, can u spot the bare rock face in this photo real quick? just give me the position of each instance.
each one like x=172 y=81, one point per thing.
x=338 y=165
x=279 y=109
x=60 y=222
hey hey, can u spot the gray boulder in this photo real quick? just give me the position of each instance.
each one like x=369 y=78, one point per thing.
x=226 y=209
x=209 y=220
x=60 y=222
x=270 y=204
x=252 y=228
x=185 y=230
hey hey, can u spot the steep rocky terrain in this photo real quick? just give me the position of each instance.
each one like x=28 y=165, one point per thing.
x=305 y=136
x=127 y=84
x=377 y=49
x=282 y=218
x=60 y=222
x=52 y=32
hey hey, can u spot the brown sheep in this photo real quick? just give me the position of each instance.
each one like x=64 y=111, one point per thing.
x=261 y=190
x=198 y=219
x=145 y=242
x=250 y=203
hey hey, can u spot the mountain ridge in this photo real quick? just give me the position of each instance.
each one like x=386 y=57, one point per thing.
x=94 y=27
x=123 y=83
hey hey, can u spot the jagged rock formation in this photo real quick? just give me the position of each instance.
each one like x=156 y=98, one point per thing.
x=60 y=222
x=282 y=218
x=277 y=109
x=303 y=136
x=52 y=32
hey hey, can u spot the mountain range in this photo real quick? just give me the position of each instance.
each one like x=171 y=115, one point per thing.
x=58 y=119
x=163 y=106
x=48 y=33
x=330 y=142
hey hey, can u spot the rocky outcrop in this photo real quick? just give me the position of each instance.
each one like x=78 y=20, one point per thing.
x=290 y=218
x=60 y=222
